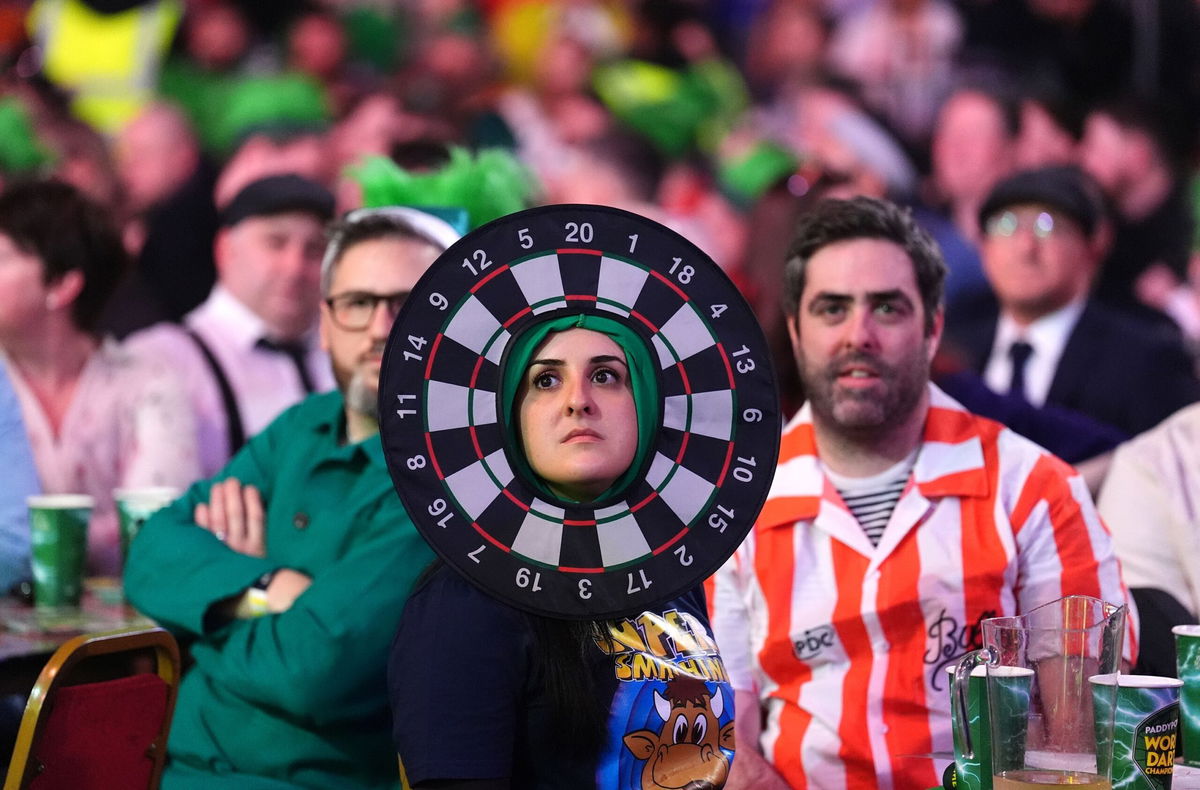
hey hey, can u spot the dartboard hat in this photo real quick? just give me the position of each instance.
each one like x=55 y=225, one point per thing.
x=703 y=388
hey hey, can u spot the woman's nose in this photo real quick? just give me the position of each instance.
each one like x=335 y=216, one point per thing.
x=579 y=398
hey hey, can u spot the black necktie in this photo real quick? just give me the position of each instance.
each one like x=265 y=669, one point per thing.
x=296 y=352
x=1019 y=352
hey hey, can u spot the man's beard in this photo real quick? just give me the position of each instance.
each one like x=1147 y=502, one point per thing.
x=866 y=413
x=361 y=397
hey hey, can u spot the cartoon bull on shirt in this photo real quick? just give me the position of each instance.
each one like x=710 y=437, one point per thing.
x=686 y=753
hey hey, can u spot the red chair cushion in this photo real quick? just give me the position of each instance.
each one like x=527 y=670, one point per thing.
x=97 y=734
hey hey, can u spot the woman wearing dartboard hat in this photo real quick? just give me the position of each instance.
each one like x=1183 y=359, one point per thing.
x=494 y=697
x=485 y=694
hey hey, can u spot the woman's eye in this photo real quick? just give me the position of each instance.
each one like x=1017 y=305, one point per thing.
x=605 y=376
x=543 y=381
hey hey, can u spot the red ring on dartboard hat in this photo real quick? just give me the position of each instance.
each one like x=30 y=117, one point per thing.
x=449 y=455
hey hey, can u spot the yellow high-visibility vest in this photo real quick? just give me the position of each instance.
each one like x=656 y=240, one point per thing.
x=108 y=62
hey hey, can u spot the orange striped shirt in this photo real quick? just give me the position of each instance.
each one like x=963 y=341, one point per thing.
x=846 y=644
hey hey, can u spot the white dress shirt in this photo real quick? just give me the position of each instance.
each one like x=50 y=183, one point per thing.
x=264 y=382
x=1047 y=336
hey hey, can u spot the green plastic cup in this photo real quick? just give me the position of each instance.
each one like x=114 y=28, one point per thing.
x=1187 y=666
x=1145 y=728
x=134 y=506
x=973 y=762
x=58 y=526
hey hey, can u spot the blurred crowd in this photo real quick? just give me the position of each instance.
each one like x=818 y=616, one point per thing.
x=168 y=167
x=181 y=259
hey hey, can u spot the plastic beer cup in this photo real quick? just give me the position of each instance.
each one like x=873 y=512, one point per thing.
x=58 y=535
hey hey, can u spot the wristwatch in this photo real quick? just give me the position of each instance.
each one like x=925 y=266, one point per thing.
x=254 y=602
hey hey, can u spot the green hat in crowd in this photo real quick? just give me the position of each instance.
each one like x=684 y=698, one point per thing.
x=280 y=106
x=675 y=110
x=746 y=176
x=20 y=150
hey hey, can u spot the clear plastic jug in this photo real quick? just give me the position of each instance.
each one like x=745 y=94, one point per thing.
x=1043 y=729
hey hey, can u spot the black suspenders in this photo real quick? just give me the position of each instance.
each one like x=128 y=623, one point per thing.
x=233 y=415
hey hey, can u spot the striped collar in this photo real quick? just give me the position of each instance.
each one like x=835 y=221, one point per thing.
x=950 y=462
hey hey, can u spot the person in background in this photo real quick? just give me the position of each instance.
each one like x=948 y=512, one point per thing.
x=896 y=522
x=1048 y=340
x=98 y=416
x=1151 y=502
x=20 y=481
x=170 y=218
x=287 y=571
x=973 y=145
x=251 y=349
x=1137 y=157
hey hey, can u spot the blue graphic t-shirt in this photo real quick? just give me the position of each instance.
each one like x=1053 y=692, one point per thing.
x=469 y=702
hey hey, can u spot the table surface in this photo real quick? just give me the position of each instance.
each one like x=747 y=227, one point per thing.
x=1185 y=777
x=28 y=631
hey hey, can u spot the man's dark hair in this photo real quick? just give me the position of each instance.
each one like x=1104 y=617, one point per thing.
x=1163 y=122
x=638 y=163
x=832 y=221
x=65 y=230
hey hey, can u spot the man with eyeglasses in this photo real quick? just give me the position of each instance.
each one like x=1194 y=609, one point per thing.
x=1045 y=339
x=250 y=350
x=288 y=571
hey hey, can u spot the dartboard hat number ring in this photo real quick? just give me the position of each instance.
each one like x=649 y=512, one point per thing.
x=456 y=463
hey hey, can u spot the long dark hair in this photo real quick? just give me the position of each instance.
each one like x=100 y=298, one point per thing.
x=562 y=651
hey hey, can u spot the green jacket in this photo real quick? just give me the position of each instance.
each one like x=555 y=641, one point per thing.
x=297 y=699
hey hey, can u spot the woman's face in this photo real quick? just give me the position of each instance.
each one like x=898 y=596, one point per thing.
x=23 y=294
x=576 y=411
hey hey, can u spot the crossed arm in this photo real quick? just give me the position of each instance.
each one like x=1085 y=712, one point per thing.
x=235 y=514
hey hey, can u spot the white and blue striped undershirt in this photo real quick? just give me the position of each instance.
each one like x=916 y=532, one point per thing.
x=872 y=499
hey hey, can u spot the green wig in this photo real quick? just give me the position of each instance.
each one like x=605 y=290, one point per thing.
x=487 y=185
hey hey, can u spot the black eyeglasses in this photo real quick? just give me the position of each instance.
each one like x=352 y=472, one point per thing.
x=353 y=311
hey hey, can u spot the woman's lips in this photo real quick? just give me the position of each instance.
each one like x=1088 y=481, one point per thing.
x=581 y=435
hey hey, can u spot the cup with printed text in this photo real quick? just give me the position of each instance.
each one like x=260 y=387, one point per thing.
x=1145 y=728
x=1187 y=665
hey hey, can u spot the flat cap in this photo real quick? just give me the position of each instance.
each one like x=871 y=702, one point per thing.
x=1063 y=187
x=279 y=194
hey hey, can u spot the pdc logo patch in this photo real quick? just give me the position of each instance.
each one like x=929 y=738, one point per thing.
x=813 y=642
